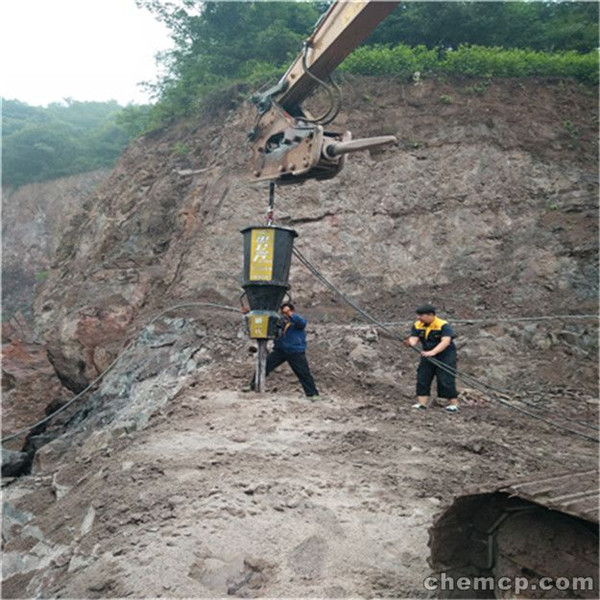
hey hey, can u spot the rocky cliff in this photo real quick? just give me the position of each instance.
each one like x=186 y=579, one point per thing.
x=486 y=207
x=34 y=218
x=33 y=222
x=163 y=480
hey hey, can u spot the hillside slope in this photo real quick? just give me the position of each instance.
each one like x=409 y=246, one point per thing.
x=166 y=481
x=33 y=219
x=487 y=207
x=226 y=494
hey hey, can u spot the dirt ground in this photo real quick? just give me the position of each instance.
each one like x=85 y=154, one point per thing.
x=247 y=495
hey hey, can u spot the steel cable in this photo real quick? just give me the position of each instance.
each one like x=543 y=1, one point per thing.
x=335 y=99
x=500 y=319
x=469 y=379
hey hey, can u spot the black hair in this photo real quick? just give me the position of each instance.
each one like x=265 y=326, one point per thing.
x=425 y=309
x=287 y=304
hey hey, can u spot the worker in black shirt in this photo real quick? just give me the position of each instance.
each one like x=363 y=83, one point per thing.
x=435 y=336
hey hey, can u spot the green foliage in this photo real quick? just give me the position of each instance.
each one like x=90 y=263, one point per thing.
x=499 y=62
x=181 y=149
x=545 y=26
x=135 y=119
x=571 y=129
x=476 y=61
x=478 y=89
x=224 y=50
x=64 y=138
x=381 y=60
x=220 y=44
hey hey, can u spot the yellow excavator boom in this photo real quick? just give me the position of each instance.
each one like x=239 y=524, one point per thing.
x=290 y=145
x=342 y=28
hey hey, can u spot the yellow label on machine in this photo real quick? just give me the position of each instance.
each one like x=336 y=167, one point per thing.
x=259 y=326
x=261 y=254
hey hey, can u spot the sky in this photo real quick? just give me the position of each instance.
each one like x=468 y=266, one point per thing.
x=80 y=49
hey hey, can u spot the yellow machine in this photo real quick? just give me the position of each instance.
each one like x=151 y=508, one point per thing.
x=289 y=144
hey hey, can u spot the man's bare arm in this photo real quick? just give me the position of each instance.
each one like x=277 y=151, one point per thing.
x=439 y=348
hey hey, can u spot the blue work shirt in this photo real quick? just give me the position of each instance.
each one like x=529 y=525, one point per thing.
x=292 y=337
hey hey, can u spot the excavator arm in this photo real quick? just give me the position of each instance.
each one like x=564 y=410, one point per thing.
x=289 y=144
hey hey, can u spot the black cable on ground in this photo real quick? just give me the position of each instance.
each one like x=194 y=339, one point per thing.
x=469 y=379
x=476 y=383
x=114 y=362
x=507 y=392
x=502 y=319
x=465 y=377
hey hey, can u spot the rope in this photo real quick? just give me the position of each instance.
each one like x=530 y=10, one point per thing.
x=114 y=362
x=469 y=379
x=476 y=383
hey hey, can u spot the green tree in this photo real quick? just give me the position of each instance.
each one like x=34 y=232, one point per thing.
x=546 y=26
x=38 y=152
x=135 y=119
x=64 y=138
x=216 y=43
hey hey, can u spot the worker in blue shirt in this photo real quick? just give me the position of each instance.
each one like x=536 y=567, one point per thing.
x=290 y=347
x=436 y=338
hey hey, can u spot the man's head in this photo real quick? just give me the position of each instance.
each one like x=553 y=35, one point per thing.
x=426 y=313
x=287 y=308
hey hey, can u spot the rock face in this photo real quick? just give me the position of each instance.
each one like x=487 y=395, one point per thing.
x=163 y=480
x=13 y=463
x=34 y=218
x=486 y=207
x=29 y=382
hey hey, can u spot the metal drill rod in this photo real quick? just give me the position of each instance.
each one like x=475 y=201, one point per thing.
x=338 y=148
x=271 y=210
x=261 y=366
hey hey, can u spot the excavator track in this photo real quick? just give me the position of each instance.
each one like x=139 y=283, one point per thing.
x=535 y=538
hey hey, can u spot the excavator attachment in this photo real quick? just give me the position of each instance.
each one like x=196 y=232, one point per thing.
x=288 y=144
x=528 y=539
x=292 y=150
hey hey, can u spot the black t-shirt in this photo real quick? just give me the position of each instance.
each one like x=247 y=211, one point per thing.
x=431 y=335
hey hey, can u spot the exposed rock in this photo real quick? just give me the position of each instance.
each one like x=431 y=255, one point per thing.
x=31 y=383
x=363 y=355
x=88 y=521
x=308 y=557
x=496 y=230
x=13 y=518
x=59 y=490
x=34 y=218
x=14 y=463
x=162 y=477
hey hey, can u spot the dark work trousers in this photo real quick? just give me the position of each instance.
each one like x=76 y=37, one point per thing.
x=299 y=365
x=446 y=382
